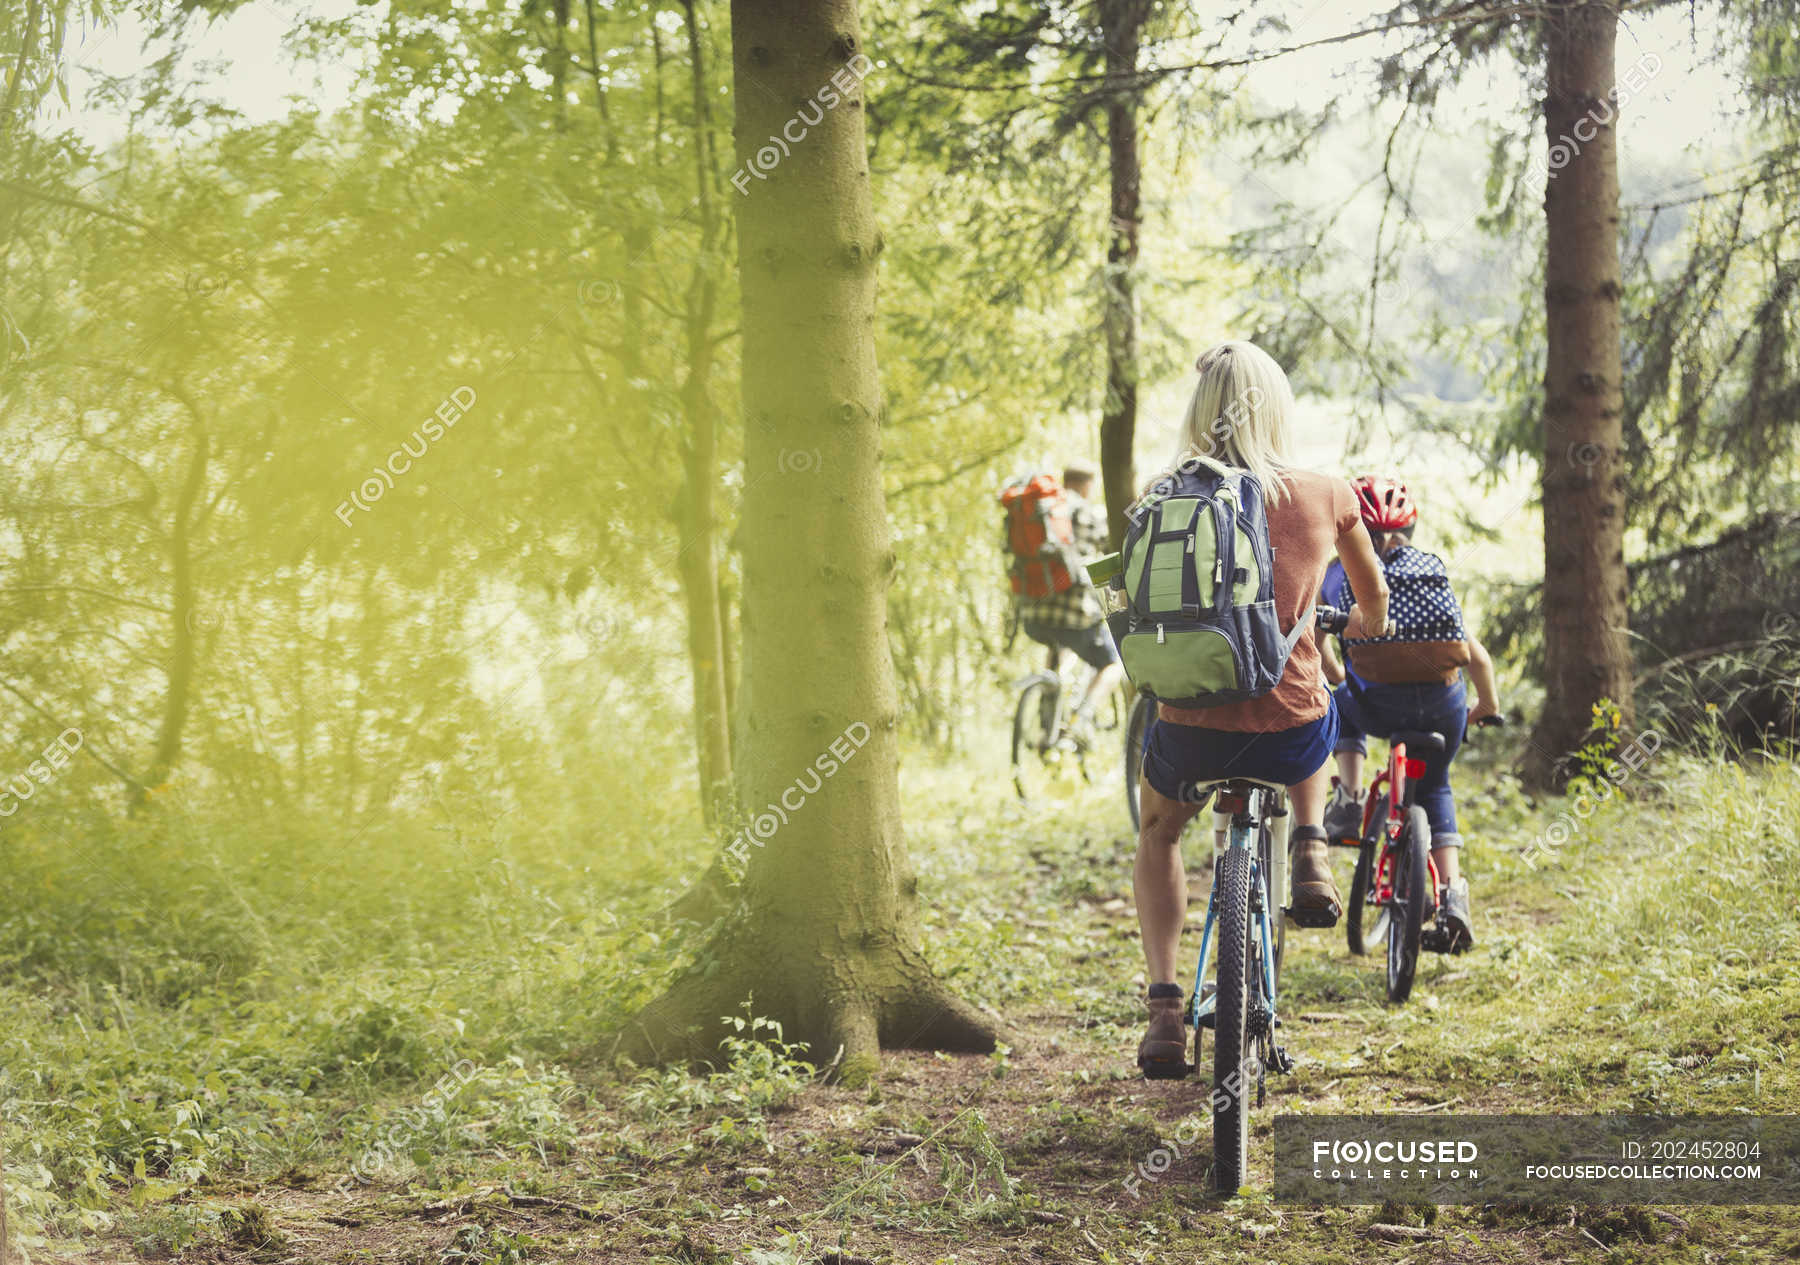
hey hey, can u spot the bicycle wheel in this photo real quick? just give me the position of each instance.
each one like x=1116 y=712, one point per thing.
x=1410 y=898
x=1367 y=924
x=1034 y=729
x=1234 y=1040
x=1135 y=728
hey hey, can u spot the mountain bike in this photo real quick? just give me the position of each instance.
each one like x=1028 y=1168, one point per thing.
x=1393 y=895
x=1047 y=746
x=1246 y=923
x=1238 y=1006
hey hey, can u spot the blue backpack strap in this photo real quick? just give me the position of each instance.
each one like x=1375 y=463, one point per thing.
x=1293 y=639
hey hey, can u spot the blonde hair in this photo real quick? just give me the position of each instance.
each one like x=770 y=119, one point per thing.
x=1241 y=414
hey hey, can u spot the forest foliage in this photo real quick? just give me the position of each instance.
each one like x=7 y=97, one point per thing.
x=356 y=462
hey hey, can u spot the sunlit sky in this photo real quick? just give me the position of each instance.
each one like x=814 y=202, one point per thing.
x=1687 y=105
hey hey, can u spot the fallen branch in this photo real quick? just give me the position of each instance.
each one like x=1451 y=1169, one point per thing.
x=1398 y=1233
x=1436 y=1106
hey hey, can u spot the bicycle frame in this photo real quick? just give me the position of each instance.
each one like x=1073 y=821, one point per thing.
x=1247 y=815
x=1401 y=773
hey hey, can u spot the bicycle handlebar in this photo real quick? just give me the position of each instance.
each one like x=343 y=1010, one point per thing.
x=1331 y=619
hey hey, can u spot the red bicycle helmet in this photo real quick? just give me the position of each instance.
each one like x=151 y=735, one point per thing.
x=1385 y=504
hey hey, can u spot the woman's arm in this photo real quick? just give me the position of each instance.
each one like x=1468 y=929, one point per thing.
x=1368 y=618
x=1481 y=674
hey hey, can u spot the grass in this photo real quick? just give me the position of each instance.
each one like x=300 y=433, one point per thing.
x=238 y=1044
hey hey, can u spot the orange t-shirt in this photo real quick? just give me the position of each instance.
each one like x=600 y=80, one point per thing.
x=1304 y=531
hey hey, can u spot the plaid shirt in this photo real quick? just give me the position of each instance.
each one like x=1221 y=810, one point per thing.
x=1076 y=606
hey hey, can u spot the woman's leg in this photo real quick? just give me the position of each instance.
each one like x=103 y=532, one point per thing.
x=1158 y=880
x=1161 y=888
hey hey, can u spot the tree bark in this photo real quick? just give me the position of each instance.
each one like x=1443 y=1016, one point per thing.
x=183 y=620
x=1586 y=585
x=825 y=931
x=1121 y=27
x=699 y=567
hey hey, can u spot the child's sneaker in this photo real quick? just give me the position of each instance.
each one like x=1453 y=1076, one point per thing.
x=1343 y=815
x=1455 y=918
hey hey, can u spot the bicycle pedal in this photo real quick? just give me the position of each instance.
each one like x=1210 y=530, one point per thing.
x=1165 y=1069
x=1303 y=916
x=1280 y=1060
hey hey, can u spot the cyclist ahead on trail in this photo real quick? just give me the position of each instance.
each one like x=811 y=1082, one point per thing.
x=1410 y=679
x=1051 y=529
x=1231 y=521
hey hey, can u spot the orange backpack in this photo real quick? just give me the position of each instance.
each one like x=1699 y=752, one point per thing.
x=1040 y=536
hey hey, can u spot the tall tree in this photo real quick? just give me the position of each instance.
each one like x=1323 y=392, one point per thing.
x=1122 y=29
x=1586 y=656
x=825 y=935
x=698 y=515
x=1057 y=94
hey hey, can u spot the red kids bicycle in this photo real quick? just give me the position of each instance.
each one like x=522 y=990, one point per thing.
x=1393 y=896
x=1395 y=888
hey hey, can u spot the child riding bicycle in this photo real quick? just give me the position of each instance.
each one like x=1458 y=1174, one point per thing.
x=1410 y=679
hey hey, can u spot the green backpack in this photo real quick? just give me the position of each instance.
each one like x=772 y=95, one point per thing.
x=1201 y=628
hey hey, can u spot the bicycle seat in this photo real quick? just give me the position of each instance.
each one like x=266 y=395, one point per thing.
x=1234 y=786
x=1232 y=792
x=1418 y=741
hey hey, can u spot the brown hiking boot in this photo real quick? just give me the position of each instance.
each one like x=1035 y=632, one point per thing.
x=1163 y=1051
x=1316 y=902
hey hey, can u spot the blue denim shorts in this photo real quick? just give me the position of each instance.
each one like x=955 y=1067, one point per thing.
x=1181 y=760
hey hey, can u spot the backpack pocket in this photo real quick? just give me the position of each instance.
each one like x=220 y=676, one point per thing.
x=1173 y=566
x=1259 y=632
x=1184 y=662
x=1247 y=580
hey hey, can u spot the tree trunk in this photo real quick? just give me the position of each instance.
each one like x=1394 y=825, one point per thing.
x=558 y=57
x=1586 y=657
x=825 y=933
x=1121 y=25
x=593 y=40
x=184 y=619
x=699 y=566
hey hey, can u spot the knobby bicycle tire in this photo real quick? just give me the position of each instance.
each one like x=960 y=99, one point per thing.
x=1232 y=1074
x=1407 y=921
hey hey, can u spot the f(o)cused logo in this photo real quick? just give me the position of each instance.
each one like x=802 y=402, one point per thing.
x=597 y=290
x=1586 y=455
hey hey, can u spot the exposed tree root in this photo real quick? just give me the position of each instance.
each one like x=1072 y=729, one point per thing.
x=880 y=997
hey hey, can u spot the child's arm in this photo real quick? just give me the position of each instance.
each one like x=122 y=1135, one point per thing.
x=1369 y=617
x=1334 y=669
x=1481 y=674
